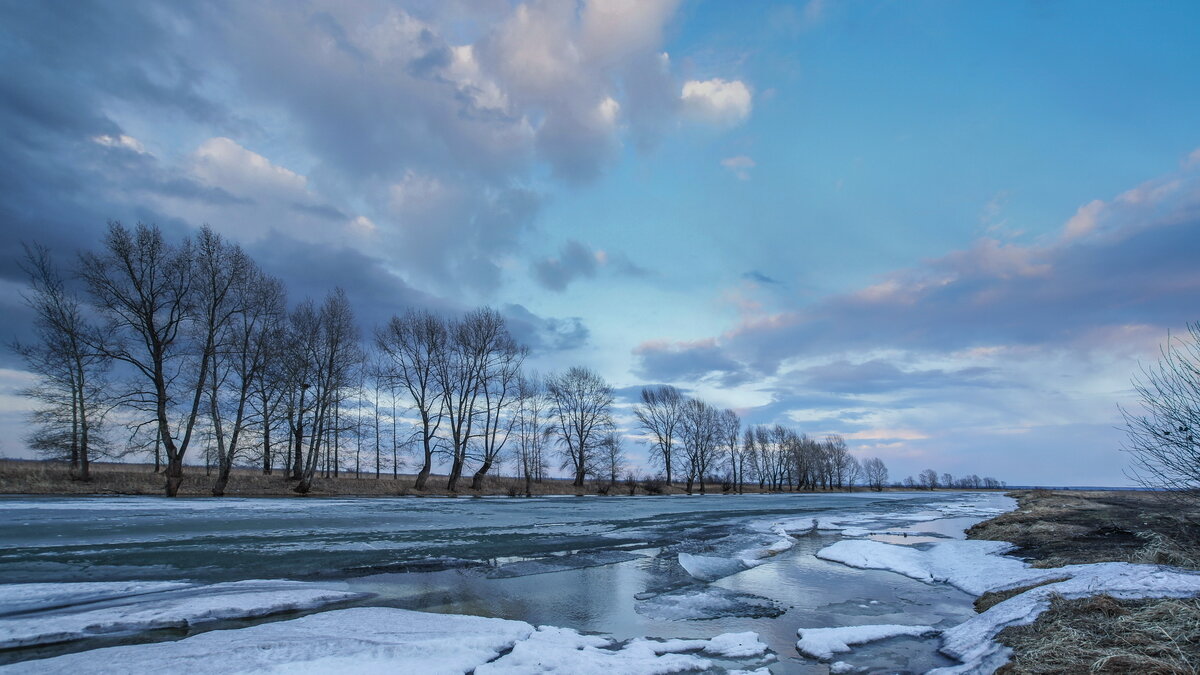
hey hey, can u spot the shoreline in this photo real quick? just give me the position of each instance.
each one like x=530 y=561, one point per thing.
x=1100 y=633
x=41 y=478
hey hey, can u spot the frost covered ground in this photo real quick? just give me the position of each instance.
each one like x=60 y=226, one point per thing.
x=671 y=584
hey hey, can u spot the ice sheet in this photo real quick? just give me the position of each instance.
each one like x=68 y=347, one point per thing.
x=708 y=568
x=170 y=608
x=709 y=602
x=360 y=640
x=823 y=643
x=20 y=598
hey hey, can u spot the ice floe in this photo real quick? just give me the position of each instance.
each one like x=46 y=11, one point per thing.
x=973 y=566
x=709 y=568
x=706 y=603
x=165 y=607
x=379 y=640
x=21 y=598
x=823 y=643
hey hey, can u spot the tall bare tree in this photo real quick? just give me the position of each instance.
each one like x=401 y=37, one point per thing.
x=701 y=436
x=531 y=429
x=69 y=366
x=730 y=431
x=612 y=457
x=244 y=352
x=144 y=287
x=411 y=346
x=581 y=413
x=329 y=345
x=660 y=414
x=501 y=389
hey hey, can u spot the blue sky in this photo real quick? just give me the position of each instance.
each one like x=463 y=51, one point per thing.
x=949 y=231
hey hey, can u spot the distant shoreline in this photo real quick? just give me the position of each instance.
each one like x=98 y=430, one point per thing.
x=33 y=477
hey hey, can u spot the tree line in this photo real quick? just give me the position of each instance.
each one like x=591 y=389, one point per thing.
x=192 y=343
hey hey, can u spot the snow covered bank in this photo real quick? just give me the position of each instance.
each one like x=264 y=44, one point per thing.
x=81 y=610
x=823 y=643
x=977 y=567
x=384 y=640
x=972 y=641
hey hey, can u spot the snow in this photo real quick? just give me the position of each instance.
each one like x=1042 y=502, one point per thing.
x=361 y=640
x=823 y=643
x=385 y=640
x=971 y=641
x=838 y=667
x=708 y=568
x=166 y=607
x=20 y=598
x=973 y=566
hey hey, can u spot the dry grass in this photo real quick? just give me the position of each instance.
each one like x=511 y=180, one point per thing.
x=1103 y=635
x=33 y=477
x=992 y=598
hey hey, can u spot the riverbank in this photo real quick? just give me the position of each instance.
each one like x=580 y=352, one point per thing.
x=1101 y=634
x=110 y=478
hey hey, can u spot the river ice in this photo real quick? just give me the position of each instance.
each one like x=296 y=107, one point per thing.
x=648 y=584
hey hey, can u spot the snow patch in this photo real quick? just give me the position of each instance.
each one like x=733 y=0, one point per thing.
x=823 y=643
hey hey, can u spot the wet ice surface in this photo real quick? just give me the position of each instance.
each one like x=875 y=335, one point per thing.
x=596 y=565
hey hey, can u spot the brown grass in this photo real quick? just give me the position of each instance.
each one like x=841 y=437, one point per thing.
x=1103 y=635
x=46 y=478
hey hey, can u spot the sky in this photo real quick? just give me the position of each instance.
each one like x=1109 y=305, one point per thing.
x=949 y=231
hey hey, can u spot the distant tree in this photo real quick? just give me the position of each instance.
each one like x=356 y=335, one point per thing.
x=660 y=415
x=876 y=473
x=928 y=479
x=854 y=473
x=1163 y=436
x=581 y=414
x=500 y=385
x=837 y=458
x=531 y=429
x=947 y=480
x=909 y=482
x=612 y=458
x=70 y=363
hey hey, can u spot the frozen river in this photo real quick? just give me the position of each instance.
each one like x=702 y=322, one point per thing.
x=660 y=567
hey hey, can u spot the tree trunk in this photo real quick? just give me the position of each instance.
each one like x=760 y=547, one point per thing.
x=477 y=480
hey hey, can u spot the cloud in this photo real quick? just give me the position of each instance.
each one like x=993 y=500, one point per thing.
x=579 y=261
x=740 y=166
x=717 y=101
x=687 y=362
x=759 y=278
x=878 y=375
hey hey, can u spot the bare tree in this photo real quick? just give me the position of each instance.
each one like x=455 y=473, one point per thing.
x=329 y=346
x=612 y=458
x=730 y=434
x=1163 y=437
x=500 y=384
x=250 y=318
x=411 y=346
x=581 y=413
x=928 y=479
x=144 y=287
x=660 y=415
x=530 y=429
x=701 y=436
x=69 y=367
x=838 y=457
x=876 y=473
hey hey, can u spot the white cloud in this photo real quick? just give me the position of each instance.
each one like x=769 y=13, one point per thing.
x=716 y=100
x=120 y=141
x=222 y=163
x=740 y=166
